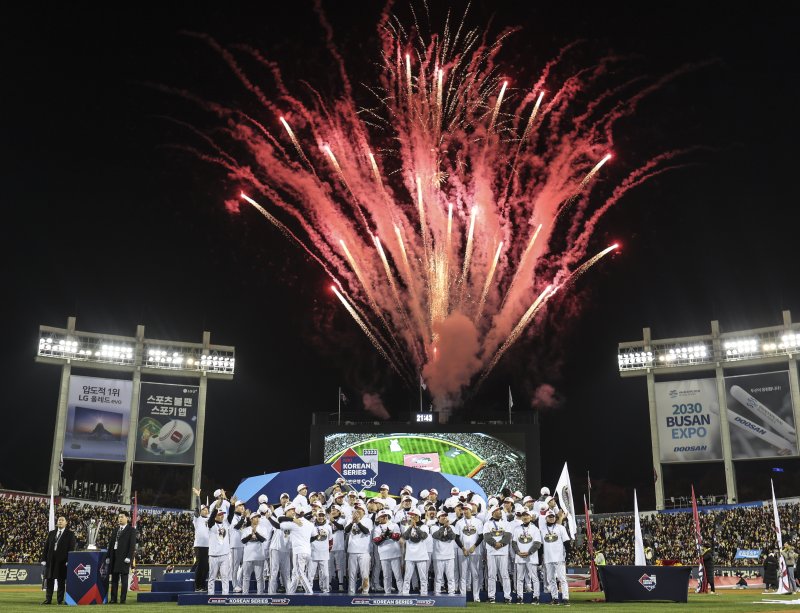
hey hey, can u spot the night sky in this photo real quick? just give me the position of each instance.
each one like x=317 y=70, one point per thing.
x=106 y=219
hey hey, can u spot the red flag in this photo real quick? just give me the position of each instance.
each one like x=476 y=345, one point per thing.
x=133 y=578
x=702 y=583
x=594 y=581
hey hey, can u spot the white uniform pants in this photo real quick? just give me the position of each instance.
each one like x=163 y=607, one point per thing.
x=248 y=568
x=337 y=566
x=557 y=572
x=497 y=566
x=375 y=579
x=528 y=571
x=320 y=566
x=279 y=562
x=471 y=573
x=357 y=563
x=219 y=565
x=389 y=568
x=421 y=568
x=445 y=568
x=300 y=574
x=237 y=557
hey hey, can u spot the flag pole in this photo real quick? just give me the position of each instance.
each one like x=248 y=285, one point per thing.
x=589 y=488
x=420 y=394
x=339 y=422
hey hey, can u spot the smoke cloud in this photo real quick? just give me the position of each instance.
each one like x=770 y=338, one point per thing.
x=456 y=359
x=546 y=397
x=373 y=404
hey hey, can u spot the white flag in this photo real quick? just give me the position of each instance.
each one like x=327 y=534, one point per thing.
x=565 y=501
x=783 y=573
x=510 y=399
x=638 y=543
x=51 y=520
x=422 y=383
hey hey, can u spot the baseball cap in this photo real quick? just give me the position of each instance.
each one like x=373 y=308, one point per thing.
x=384 y=487
x=549 y=498
x=550 y=513
x=454 y=490
x=239 y=503
x=406 y=488
x=217 y=493
x=525 y=511
x=407 y=499
x=384 y=513
x=413 y=512
x=220 y=512
x=441 y=514
x=289 y=507
x=341 y=481
x=433 y=491
x=284 y=495
x=338 y=495
x=263 y=508
x=545 y=491
x=203 y=506
x=263 y=499
x=517 y=494
x=527 y=499
x=423 y=493
x=302 y=486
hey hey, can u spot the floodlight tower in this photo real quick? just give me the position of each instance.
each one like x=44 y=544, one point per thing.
x=135 y=356
x=719 y=354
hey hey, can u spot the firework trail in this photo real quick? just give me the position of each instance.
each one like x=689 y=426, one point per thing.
x=434 y=206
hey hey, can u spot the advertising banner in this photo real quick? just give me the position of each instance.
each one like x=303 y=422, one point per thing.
x=761 y=416
x=748 y=554
x=98 y=418
x=167 y=423
x=688 y=420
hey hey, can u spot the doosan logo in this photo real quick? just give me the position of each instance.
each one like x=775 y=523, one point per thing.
x=648 y=582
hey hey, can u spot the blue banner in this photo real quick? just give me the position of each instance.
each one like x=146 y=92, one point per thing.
x=747 y=554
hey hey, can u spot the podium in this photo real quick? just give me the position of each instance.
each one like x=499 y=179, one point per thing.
x=635 y=583
x=87 y=577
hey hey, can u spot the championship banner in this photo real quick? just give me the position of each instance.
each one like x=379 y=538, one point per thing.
x=98 y=419
x=167 y=422
x=688 y=420
x=761 y=415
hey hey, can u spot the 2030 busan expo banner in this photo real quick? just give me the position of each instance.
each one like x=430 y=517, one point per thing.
x=98 y=419
x=167 y=423
x=688 y=420
x=761 y=415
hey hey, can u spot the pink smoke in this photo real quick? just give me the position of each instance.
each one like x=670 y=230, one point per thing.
x=455 y=360
x=546 y=397
x=373 y=404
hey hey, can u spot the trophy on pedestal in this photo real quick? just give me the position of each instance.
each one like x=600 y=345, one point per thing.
x=92 y=530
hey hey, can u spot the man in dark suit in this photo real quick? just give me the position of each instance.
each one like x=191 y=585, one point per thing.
x=54 y=558
x=121 y=548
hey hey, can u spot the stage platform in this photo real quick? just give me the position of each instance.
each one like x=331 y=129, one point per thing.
x=322 y=600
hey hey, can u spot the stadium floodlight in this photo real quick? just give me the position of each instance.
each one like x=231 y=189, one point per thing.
x=137 y=356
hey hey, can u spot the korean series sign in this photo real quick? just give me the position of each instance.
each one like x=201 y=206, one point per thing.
x=98 y=418
x=167 y=423
x=360 y=471
x=688 y=420
x=760 y=415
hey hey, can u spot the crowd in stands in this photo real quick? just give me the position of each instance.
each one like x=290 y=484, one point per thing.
x=671 y=535
x=167 y=537
x=164 y=537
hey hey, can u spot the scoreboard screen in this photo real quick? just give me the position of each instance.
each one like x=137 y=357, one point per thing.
x=496 y=457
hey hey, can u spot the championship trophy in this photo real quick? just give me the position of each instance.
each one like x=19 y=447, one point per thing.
x=92 y=530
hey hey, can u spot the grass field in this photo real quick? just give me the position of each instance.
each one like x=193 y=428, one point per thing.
x=453 y=459
x=21 y=599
